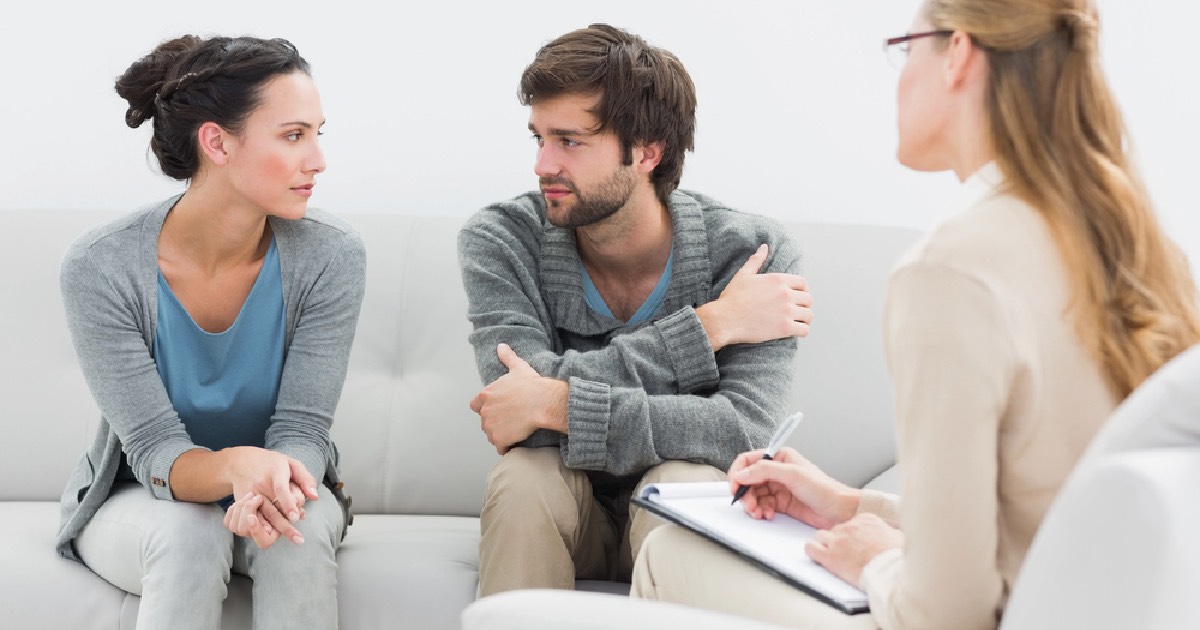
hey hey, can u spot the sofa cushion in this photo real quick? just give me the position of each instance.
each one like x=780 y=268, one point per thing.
x=393 y=572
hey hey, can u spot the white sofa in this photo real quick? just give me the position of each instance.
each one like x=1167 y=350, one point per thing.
x=413 y=456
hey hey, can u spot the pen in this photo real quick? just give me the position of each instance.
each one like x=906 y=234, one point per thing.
x=782 y=433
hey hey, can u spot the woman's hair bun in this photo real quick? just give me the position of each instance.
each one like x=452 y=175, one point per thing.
x=141 y=82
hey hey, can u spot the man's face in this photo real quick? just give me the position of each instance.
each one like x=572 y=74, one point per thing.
x=579 y=171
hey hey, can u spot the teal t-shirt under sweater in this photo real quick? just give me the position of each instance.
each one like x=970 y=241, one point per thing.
x=223 y=385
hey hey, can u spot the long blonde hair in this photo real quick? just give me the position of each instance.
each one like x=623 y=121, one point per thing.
x=1060 y=142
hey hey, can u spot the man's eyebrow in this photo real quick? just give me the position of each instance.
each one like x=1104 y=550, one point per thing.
x=556 y=131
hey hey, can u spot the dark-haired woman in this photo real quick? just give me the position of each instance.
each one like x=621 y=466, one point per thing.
x=213 y=329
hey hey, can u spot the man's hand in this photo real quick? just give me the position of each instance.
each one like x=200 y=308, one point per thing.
x=847 y=548
x=513 y=406
x=756 y=307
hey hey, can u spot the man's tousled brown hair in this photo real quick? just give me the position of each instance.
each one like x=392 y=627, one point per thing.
x=646 y=95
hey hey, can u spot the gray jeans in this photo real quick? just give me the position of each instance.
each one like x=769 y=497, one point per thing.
x=177 y=556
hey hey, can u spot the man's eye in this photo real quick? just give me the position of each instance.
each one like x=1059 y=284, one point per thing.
x=567 y=142
x=537 y=139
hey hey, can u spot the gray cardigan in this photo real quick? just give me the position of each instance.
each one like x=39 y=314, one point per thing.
x=639 y=395
x=109 y=288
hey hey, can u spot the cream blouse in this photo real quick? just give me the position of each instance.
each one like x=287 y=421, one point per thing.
x=995 y=400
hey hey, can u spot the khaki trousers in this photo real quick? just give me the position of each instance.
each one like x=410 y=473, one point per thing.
x=676 y=565
x=543 y=527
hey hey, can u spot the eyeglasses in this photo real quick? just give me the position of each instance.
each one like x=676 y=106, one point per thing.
x=896 y=48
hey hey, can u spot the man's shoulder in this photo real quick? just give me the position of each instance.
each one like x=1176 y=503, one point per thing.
x=735 y=232
x=525 y=213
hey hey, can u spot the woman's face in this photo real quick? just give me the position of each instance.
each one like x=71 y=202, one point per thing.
x=274 y=161
x=922 y=103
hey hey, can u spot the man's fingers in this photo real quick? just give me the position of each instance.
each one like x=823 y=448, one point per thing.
x=509 y=358
x=755 y=262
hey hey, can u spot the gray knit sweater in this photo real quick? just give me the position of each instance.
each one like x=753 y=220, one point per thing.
x=639 y=395
x=110 y=291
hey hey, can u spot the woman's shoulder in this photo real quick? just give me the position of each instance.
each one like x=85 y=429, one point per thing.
x=993 y=234
x=317 y=231
x=110 y=243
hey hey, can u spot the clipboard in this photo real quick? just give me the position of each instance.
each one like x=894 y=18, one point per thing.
x=776 y=546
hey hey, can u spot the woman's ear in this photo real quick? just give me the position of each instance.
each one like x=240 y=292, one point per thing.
x=212 y=138
x=963 y=60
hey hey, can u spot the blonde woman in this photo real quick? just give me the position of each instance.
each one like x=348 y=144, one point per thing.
x=1012 y=331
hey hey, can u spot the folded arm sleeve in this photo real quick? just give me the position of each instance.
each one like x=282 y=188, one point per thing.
x=625 y=430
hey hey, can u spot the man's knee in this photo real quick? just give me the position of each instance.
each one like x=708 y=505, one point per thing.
x=526 y=473
x=531 y=492
x=677 y=471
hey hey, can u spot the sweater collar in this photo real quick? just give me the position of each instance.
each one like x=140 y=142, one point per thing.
x=562 y=281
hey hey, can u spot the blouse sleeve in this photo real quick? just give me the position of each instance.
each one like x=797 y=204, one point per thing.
x=951 y=358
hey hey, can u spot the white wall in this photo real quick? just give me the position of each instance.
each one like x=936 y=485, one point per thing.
x=796 y=114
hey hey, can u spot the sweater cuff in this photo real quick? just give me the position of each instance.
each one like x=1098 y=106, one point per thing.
x=691 y=354
x=881 y=504
x=589 y=407
x=159 y=482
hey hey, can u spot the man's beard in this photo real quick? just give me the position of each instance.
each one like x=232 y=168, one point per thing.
x=598 y=204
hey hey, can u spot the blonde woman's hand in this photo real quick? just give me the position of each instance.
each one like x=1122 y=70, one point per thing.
x=790 y=484
x=846 y=549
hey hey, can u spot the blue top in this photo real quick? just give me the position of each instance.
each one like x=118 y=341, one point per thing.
x=223 y=385
x=648 y=309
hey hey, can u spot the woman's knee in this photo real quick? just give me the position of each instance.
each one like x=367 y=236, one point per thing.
x=192 y=532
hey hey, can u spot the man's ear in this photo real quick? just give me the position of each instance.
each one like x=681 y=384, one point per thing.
x=963 y=59
x=212 y=139
x=647 y=156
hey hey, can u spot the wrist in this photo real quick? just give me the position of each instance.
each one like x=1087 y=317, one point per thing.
x=849 y=500
x=226 y=464
x=558 y=394
x=710 y=319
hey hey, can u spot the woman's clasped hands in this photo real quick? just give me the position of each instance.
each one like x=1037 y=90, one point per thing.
x=790 y=484
x=270 y=491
